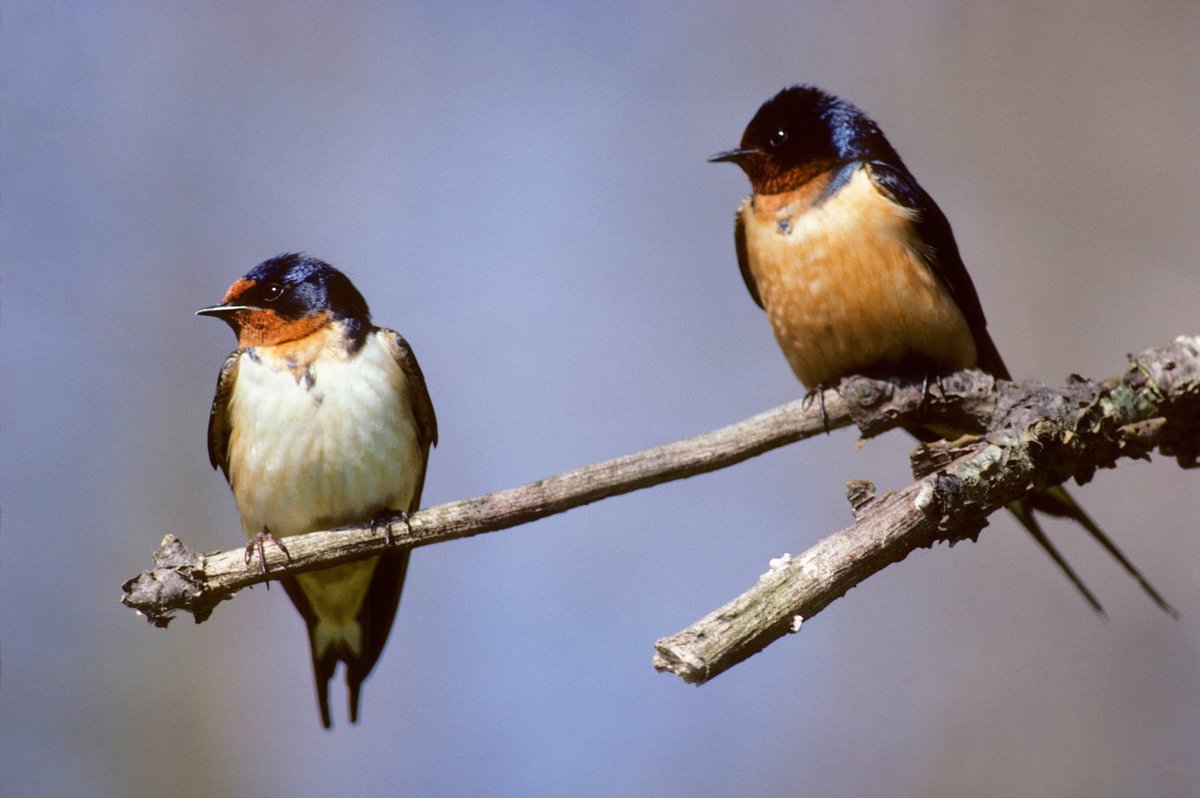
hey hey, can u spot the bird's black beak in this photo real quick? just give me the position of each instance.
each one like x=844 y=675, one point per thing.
x=734 y=156
x=221 y=311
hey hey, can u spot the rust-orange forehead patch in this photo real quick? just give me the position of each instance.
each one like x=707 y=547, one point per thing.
x=240 y=286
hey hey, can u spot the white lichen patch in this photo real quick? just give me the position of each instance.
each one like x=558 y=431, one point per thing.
x=924 y=497
x=779 y=563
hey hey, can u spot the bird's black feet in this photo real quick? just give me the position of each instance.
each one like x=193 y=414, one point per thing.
x=927 y=383
x=817 y=393
x=384 y=518
x=256 y=544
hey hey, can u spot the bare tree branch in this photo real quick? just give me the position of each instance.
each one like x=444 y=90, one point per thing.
x=1156 y=404
x=1038 y=438
x=187 y=581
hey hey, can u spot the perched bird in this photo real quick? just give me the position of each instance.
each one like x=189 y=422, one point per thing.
x=321 y=419
x=858 y=271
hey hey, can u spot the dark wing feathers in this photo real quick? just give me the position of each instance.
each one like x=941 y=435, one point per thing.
x=940 y=253
x=423 y=405
x=218 y=417
x=739 y=242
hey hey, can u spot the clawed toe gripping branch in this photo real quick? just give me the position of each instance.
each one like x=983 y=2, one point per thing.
x=1027 y=436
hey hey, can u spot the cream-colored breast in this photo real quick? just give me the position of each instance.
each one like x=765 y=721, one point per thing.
x=324 y=446
x=843 y=286
x=321 y=439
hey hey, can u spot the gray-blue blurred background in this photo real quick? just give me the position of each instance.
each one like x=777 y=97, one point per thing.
x=521 y=189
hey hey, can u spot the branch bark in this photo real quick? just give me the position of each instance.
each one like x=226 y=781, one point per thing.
x=183 y=580
x=1038 y=436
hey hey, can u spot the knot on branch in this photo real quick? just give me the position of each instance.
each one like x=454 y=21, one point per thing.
x=861 y=495
x=175 y=583
x=964 y=468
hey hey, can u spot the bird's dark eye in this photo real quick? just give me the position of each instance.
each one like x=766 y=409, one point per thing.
x=272 y=291
x=777 y=137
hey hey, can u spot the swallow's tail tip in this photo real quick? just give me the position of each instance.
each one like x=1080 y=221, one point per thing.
x=323 y=706
x=1158 y=599
x=355 y=685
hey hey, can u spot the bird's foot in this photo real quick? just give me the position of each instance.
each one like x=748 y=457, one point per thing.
x=256 y=544
x=384 y=519
x=817 y=393
x=927 y=383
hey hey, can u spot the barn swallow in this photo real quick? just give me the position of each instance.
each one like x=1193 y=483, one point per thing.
x=859 y=273
x=320 y=420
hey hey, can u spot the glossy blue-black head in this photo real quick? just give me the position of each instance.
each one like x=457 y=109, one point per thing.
x=289 y=296
x=802 y=132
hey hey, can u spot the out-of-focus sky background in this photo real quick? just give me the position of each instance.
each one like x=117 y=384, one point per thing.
x=521 y=189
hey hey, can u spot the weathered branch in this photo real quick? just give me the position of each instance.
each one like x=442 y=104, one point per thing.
x=187 y=581
x=1037 y=437
x=1153 y=406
